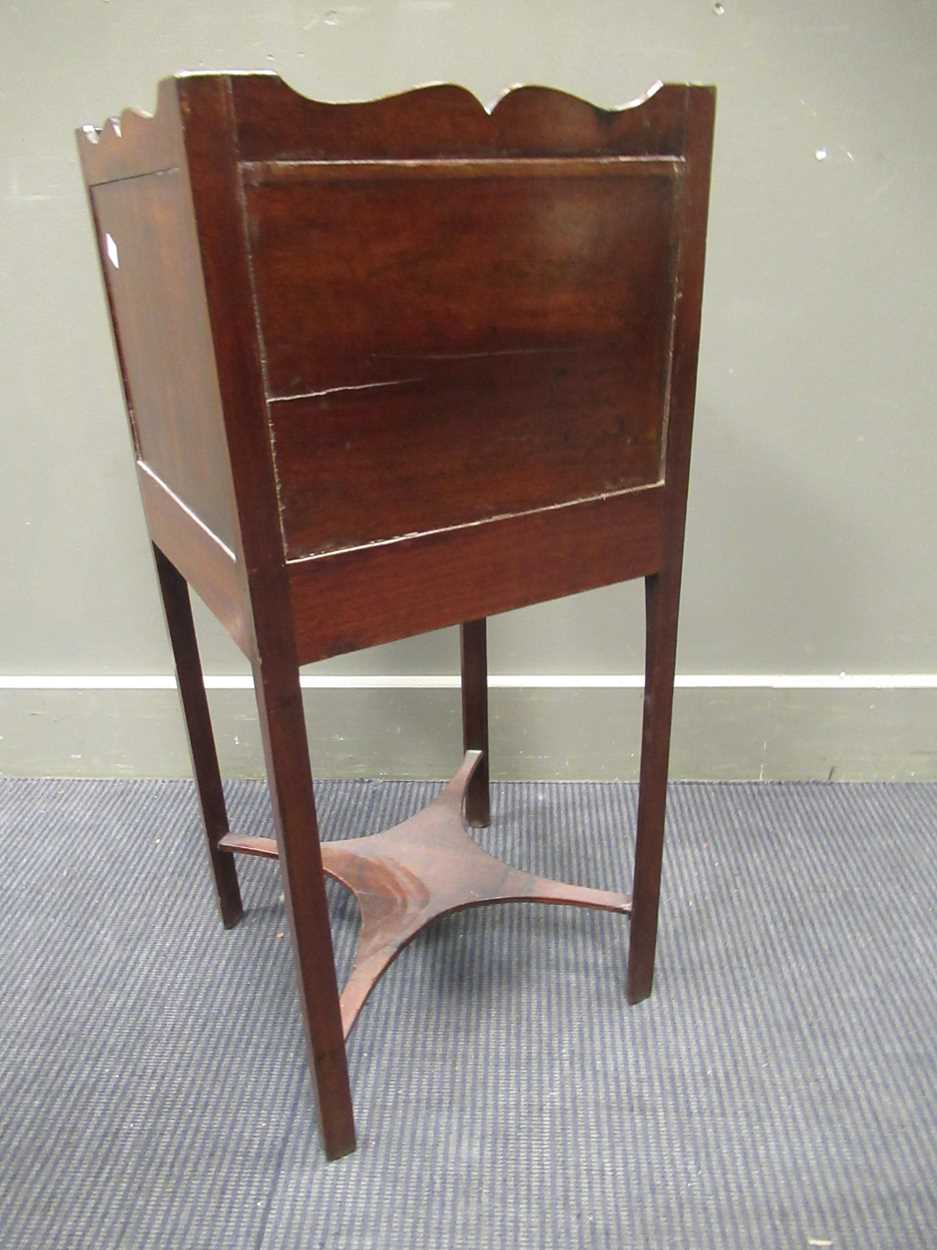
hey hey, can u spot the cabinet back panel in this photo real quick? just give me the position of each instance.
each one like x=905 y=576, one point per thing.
x=446 y=341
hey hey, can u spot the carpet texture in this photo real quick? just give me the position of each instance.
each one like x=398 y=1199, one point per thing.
x=778 y=1090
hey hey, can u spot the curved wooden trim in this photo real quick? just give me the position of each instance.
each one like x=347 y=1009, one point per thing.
x=135 y=142
x=277 y=122
x=418 y=871
x=456 y=95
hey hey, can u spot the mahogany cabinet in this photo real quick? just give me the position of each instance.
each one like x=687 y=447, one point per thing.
x=389 y=367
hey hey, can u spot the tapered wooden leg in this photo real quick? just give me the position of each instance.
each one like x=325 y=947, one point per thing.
x=475 y=718
x=178 y=609
x=662 y=597
x=279 y=701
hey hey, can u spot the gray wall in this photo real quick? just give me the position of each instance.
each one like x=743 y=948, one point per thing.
x=812 y=504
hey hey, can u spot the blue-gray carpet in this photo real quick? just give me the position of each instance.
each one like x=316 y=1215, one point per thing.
x=778 y=1090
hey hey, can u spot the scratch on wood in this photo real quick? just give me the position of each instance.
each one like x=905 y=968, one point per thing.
x=340 y=390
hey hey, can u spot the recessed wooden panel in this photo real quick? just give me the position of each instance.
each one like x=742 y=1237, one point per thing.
x=362 y=465
x=153 y=272
x=447 y=341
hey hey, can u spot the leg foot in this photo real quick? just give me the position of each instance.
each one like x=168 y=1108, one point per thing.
x=662 y=593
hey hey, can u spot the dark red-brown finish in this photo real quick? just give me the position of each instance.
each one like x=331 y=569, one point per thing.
x=390 y=367
x=181 y=627
x=422 y=869
x=473 y=638
x=384 y=591
x=377 y=392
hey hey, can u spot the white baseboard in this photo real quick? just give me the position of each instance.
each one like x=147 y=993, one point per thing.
x=726 y=727
x=512 y=681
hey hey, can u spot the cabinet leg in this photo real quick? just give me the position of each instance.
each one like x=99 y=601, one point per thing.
x=474 y=650
x=283 y=728
x=178 y=609
x=662 y=598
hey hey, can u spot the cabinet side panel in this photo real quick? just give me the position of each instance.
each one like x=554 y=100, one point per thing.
x=153 y=272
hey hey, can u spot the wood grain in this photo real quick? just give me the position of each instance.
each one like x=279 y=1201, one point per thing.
x=135 y=142
x=202 y=559
x=274 y=122
x=414 y=310
x=178 y=609
x=418 y=871
x=366 y=270
x=662 y=590
x=392 y=366
x=211 y=156
x=151 y=263
x=384 y=591
x=473 y=656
